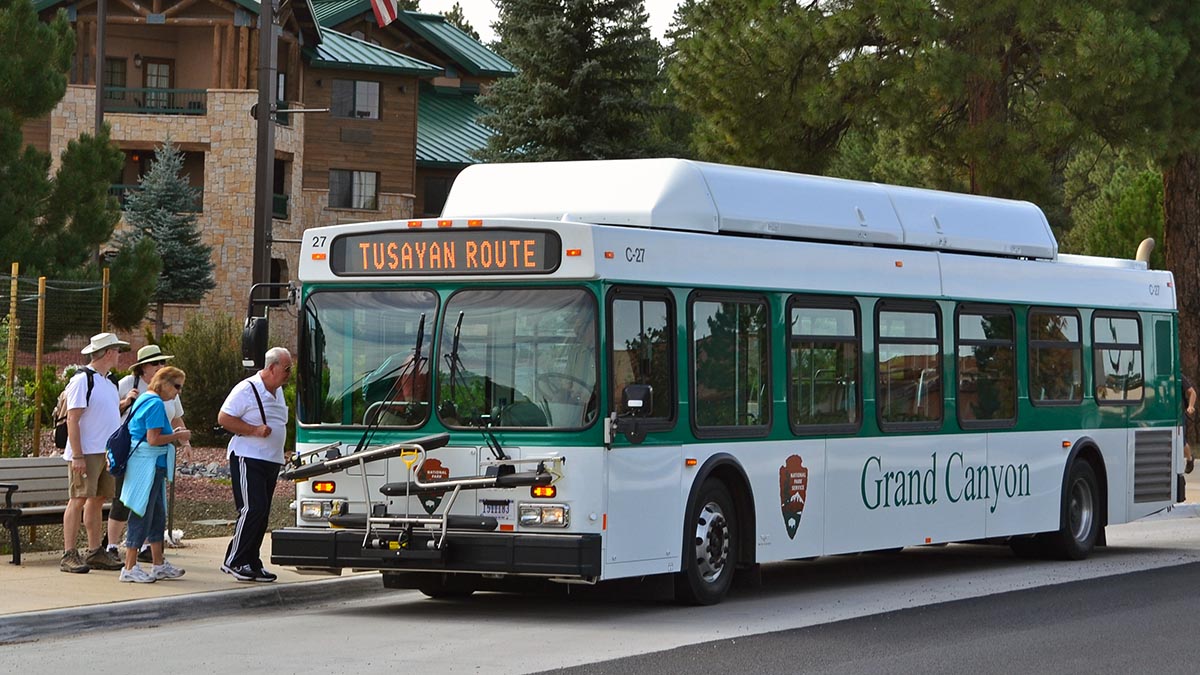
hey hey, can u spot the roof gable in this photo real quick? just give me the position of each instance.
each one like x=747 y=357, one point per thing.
x=475 y=58
x=467 y=53
x=338 y=50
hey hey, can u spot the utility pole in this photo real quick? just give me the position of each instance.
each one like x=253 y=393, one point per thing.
x=101 y=19
x=265 y=181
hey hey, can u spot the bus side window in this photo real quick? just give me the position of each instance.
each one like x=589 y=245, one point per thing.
x=1055 y=357
x=643 y=349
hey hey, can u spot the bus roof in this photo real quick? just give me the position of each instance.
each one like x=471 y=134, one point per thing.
x=677 y=194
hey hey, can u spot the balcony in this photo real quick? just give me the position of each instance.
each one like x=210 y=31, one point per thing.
x=143 y=101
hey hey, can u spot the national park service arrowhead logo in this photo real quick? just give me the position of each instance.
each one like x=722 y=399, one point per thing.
x=793 y=488
x=432 y=470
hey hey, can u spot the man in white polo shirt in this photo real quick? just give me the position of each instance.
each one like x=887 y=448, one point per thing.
x=257 y=414
x=92 y=416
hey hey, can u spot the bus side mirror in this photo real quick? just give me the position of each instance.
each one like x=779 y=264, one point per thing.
x=638 y=403
x=254 y=342
x=639 y=400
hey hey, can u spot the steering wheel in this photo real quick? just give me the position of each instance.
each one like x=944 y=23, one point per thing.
x=557 y=386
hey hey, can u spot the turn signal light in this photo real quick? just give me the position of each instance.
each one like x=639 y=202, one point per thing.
x=324 y=486
x=574 y=252
x=543 y=491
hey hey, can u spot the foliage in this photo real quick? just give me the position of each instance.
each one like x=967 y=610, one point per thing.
x=456 y=18
x=774 y=85
x=586 y=68
x=1117 y=201
x=52 y=224
x=16 y=405
x=135 y=272
x=163 y=210
x=209 y=352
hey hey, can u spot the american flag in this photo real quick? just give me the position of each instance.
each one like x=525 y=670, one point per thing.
x=386 y=11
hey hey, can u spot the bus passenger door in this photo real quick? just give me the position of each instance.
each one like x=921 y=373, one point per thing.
x=643 y=511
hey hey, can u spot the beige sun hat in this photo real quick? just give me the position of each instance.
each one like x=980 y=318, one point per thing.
x=104 y=341
x=150 y=354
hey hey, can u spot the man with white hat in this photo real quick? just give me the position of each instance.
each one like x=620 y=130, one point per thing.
x=149 y=359
x=93 y=414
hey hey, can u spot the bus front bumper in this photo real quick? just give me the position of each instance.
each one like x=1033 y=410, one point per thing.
x=555 y=555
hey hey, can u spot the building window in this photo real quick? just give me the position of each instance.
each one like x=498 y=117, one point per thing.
x=353 y=189
x=114 y=76
x=356 y=99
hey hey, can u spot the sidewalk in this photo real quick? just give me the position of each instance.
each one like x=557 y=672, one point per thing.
x=38 y=600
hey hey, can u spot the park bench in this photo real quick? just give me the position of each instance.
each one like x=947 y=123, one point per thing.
x=35 y=493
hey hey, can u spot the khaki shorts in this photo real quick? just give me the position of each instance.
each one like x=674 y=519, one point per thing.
x=99 y=482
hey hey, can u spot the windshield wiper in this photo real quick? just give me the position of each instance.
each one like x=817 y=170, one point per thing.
x=454 y=362
x=414 y=363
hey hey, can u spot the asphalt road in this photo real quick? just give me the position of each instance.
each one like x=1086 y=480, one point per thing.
x=1145 y=622
x=962 y=608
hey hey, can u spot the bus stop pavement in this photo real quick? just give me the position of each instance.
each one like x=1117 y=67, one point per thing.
x=37 y=600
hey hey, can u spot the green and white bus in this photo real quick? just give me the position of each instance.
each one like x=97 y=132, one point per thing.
x=588 y=371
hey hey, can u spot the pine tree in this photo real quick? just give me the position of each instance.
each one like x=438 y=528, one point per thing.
x=54 y=224
x=456 y=18
x=583 y=86
x=773 y=84
x=163 y=209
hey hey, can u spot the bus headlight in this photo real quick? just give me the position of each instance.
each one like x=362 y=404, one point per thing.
x=544 y=515
x=319 y=509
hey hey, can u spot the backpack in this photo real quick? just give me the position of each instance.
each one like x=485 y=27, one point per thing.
x=119 y=446
x=60 y=410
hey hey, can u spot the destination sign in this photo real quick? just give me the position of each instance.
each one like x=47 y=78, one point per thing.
x=445 y=251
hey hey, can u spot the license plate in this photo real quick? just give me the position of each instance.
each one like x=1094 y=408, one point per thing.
x=500 y=509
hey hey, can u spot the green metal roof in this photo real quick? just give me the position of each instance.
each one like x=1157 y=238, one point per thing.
x=466 y=50
x=447 y=130
x=333 y=12
x=338 y=50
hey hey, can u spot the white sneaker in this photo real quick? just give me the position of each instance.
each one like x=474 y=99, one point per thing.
x=136 y=575
x=167 y=571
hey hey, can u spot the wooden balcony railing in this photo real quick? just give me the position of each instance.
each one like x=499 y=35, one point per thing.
x=142 y=101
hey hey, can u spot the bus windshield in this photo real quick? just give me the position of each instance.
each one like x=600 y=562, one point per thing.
x=357 y=351
x=518 y=357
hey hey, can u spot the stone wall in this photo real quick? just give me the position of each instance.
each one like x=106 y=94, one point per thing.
x=226 y=135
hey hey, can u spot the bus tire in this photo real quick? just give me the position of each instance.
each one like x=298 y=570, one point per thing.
x=445 y=586
x=1080 y=517
x=710 y=549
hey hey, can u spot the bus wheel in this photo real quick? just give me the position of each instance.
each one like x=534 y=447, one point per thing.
x=1080 y=515
x=710 y=551
x=445 y=586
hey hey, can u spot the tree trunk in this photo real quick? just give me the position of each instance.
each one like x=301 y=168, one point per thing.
x=1181 y=235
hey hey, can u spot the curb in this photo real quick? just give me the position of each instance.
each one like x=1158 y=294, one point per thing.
x=1180 y=510
x=33 y=626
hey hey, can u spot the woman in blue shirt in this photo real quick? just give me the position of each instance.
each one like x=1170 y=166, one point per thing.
x=146 y=475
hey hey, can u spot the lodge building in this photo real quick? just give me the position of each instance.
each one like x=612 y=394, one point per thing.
x=402 y=120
